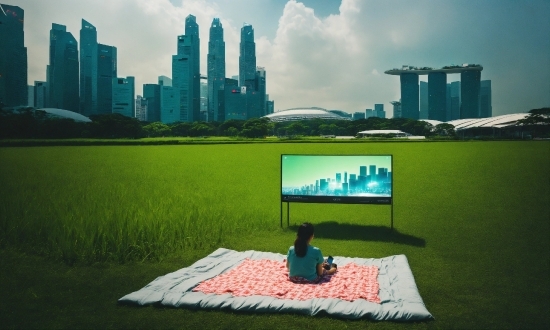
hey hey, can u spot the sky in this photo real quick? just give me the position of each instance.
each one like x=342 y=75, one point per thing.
x=326 y=53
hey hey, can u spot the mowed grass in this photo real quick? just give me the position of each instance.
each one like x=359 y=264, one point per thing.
x=471 y=217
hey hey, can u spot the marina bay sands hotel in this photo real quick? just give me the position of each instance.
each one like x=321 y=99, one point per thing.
x=470 y=77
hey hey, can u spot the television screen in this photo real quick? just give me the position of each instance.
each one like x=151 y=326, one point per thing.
x=351 y=179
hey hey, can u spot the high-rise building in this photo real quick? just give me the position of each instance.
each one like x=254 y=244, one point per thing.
x=151 y=92
x=247 y=57
x=379 y=111
x=358 y=115
x=186 y=71
x=40 y=92
x=169 y=104
x=396 y=109
x=369 y=113
x=260 y=86
x=63 y=81
x=141 y=108
x=424 y=96
x=485 y=102
x=13 y=57
x=409 y=95
x=469 y=94
x=123 y=96
x=455 y=100
x=215 y=68
x=106 y=71
x=204 y=102
x=437 y=98
x=270 y=106
x=30 y=96
x=88 y=69
x=192 y=32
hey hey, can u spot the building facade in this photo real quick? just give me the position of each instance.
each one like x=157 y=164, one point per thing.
x=103 y=84
x=485 y=101
x=215 y=68
x=424 y=95
x=437 y=96
x=141 y=108
x=13 y=57
x=469 y=94
x=409 y=95
x=88 y=69
x=247 y=57
x=151 y=92
x=123 y=96
x=63 y=70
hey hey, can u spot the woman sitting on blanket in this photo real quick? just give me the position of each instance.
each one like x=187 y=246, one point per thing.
x=305 y=262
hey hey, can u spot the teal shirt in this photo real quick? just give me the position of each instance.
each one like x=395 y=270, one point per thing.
x=305 y=266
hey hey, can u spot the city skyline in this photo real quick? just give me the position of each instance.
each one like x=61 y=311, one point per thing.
x=284 y=44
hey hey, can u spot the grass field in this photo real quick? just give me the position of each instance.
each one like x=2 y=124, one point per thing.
x=82 y=226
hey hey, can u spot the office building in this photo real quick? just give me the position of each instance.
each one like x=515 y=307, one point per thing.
x=141 y=108
x=270 y=106
x=260 y=87
x=192 y=33
x=30 y=96
x=485 y=102
x=424 y=96
x=215 y=68
x=454 y=100
x=409 y=96
x=169 y=104
x=40 y=92
x=88 y=69
x=204 y=102
x=164 y=81
x=63 y=70
x=247 y=57
x=437 y=96
x=469 y=94
x=379 y=111
x=396 y=109
x=102 y=85
x=123 y=96
x=151 y=92
x=369 y=113
x=358 y=115
x=13 y=57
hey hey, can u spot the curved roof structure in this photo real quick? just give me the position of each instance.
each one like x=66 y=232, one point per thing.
x=66 y=114
x=302 y=114
x=496 y=122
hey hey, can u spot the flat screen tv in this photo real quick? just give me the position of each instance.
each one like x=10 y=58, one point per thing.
x=346 y=179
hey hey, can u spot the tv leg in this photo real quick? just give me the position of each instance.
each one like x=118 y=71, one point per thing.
x=287 y=214
x=392 y=216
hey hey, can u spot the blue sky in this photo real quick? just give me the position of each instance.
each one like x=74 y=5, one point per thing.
x=325 y=53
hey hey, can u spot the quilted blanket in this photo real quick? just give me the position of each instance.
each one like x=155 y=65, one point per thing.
x=270 y=278
x=397 y=292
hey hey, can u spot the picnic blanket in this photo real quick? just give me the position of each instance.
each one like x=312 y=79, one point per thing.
x=399 y=299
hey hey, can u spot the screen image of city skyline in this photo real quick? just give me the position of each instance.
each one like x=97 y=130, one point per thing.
x=300 y=170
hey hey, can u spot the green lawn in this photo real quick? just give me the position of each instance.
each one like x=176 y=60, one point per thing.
x=82 y=226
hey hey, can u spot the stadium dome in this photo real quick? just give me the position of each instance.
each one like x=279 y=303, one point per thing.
x=60 y=113
x=491 y=122
x=303 y=114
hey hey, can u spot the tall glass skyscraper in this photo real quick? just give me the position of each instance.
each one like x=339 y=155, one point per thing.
x=424 y=96
x=437 y=96
x=485 y=102
x=192 y=32
x=123 y=96
x=247 y=57
x=13 y=57
x=106 y=71
x=63 y=70
x=409 y=95
x=88 y=68
x=470 y=87
x=216 y=68
x=182 y=75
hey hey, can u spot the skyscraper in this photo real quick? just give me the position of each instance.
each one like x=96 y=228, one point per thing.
x=409 y=95
x=88 y=69
x=141 y=108
x=261 y=89
x=63 y=80
x=379 y=111
x=247 y=57
x=98 y=67
x=192 y=32
x=455 y=100
x=437 y=96
x=151 y=92
x=470 y=87
x=424 y=96
x=215 y=68
x=13 y=57
x=106 y=71
x=485 y=102
x=186 y=71
x=123 y=96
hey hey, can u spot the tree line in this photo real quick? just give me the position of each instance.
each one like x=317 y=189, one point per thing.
x=29 y=123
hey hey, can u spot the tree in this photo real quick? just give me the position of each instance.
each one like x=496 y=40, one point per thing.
x=538 y=121
x=157 y=129
x=444 y=129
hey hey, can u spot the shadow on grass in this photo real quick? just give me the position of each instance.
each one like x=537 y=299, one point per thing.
x=345 y=231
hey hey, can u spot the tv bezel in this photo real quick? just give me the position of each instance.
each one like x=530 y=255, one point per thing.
x=376 y=200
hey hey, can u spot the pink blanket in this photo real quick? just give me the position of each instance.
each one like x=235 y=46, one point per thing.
x=270 y=278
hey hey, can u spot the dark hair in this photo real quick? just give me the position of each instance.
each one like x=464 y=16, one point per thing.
x=305 y=231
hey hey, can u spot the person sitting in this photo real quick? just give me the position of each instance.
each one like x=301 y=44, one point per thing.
x=305 y=262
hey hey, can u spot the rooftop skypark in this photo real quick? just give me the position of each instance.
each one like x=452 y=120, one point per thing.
x=426 y=69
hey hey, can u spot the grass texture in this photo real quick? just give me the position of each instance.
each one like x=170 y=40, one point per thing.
x=471 y=217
